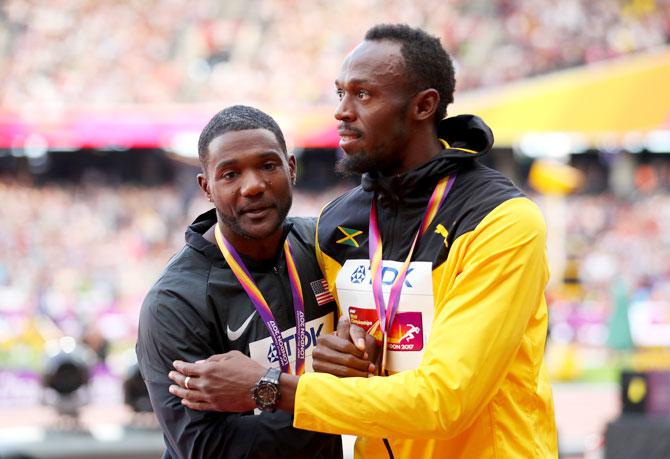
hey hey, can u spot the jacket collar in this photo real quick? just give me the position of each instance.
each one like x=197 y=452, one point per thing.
x=468 y=138
x=195 y=239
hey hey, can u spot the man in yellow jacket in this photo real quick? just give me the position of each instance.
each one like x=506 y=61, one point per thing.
x=438 y=257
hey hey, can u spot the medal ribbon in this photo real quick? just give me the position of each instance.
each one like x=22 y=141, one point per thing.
x=247 y=282
x=386 y=313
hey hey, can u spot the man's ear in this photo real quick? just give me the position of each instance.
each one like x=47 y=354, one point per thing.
x=292 y=167
x=425 y=104
x=204 y=186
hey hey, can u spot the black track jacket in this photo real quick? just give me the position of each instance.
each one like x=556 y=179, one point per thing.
x=197 y=308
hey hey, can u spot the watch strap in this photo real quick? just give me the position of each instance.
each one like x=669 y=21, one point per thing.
x=272 y=376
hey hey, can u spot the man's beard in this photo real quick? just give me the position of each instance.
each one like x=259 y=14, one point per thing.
x=234 y=223
x=360 y=163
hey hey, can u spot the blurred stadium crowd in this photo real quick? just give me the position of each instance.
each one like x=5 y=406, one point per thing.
x=282 y=52
x=617 y=252
x=81 y=257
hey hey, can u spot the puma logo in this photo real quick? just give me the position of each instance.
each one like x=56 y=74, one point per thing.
x=234 y=335
x=442 y=231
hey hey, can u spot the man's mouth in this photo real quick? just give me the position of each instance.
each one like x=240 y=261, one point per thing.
x=257 y=210
x=348 y=136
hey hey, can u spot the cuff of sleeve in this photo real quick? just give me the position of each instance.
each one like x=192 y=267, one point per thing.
x=328 y=404
x=304 y=416
x=301 y=415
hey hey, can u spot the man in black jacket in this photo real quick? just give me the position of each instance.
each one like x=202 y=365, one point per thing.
x=245 y=277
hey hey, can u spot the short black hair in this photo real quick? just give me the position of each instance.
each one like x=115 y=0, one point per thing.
x=427 y=63
x=237 y=118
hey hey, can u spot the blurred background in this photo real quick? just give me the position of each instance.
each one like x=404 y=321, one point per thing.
x=101 y=105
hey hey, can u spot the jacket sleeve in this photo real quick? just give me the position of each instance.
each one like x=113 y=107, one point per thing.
x=478 y=327
x=165 y=335
x=202 y=434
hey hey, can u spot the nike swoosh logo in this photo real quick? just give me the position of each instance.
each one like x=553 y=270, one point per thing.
x=235 y=334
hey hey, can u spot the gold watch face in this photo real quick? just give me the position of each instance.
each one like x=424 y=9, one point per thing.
x=266 y=393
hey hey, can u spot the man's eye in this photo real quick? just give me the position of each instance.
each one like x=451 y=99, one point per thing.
x=230 y=175
x=340 y=93
x=270 y=166
x=362 y=94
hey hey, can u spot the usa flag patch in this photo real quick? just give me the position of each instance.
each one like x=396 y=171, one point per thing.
x=321 y=292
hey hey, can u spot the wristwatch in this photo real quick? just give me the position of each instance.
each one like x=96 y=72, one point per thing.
x=266 y=391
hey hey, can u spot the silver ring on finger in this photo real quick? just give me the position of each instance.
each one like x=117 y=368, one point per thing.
x=188 y=378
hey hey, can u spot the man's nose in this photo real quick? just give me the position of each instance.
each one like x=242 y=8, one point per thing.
x=252 y=184
x=344 y=110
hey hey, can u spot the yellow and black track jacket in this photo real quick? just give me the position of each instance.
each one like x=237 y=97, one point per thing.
x=467 y=344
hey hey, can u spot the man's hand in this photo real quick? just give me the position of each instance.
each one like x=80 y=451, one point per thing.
x=223 y=382
x=348 y=352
